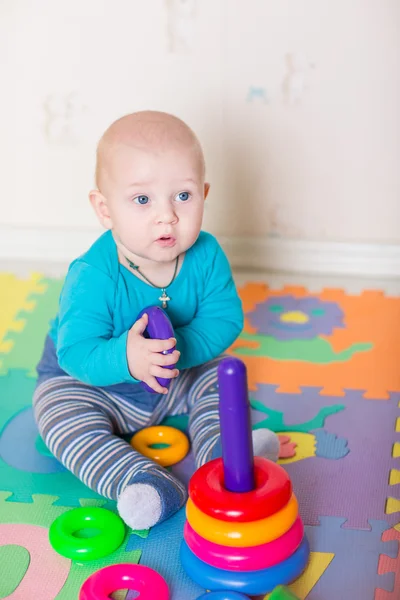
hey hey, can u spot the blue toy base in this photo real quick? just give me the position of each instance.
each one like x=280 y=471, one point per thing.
x=249 y=582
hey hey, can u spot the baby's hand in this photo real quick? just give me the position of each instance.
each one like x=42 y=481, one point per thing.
x=144 y=359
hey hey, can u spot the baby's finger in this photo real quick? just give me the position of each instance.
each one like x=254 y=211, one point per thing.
x=161 y=345
x=163 y=360
x=160 y=372
x=140 y=325
x=153 y=383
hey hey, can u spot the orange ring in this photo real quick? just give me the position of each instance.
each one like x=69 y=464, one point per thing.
x=178 y=444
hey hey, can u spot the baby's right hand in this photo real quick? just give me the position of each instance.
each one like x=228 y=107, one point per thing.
x=144 y=359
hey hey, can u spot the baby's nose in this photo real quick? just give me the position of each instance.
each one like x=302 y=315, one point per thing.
x=166 y=215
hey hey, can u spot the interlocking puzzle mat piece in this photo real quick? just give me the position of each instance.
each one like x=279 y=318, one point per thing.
x=393 y=503
x=160 y=551
x=19 y=453
x=27 y=344
x=48 y=576
x=393 y=506
x=16 y=295
x=344 y=562
x=317 y=565
x=357 y=350
x=353 y=573
x=355 y=486
x=45 y=570
x=389 y=565
x=22 y=448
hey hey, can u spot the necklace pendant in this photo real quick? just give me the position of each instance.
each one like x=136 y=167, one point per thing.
x=164 y=298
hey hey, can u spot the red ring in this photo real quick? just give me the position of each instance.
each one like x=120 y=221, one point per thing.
x=272 y=492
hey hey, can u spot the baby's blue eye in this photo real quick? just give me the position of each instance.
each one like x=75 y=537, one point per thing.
x=182 y=196
x=141 y=199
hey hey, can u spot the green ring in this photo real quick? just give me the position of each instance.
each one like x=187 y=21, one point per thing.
x=65 y=543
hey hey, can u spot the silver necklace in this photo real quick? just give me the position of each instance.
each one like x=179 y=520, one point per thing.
x=164 y=298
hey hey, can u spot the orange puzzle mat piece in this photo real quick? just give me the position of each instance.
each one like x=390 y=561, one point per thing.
x=370 y=317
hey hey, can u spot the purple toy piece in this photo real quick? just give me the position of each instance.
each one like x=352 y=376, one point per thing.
x=236 y=438
x=356 y=486
x=159 y=327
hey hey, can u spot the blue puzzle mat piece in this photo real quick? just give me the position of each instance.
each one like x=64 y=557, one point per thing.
x=160 y=551
x=353 y=573
x=19 y=446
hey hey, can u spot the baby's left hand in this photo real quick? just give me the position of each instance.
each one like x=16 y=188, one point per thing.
x=145 y=358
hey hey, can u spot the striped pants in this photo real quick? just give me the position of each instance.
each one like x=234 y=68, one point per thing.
x=81 y=425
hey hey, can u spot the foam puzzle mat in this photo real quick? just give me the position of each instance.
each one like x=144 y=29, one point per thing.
x=323 y=372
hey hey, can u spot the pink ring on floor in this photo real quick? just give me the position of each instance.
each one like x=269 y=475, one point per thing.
x=139 y=578
x=252 y=558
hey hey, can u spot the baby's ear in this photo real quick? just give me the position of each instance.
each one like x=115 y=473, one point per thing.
x=206 y=190
x=100 y=207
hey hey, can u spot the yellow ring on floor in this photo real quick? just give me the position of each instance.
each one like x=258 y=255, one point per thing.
x=242 y=535
x=178 y=444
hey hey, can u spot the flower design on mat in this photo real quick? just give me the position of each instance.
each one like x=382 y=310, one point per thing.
x=291 y=318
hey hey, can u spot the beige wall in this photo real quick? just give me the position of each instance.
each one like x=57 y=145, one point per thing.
x=311 y=155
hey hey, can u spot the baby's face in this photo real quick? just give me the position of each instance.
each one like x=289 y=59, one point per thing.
x=155 y=200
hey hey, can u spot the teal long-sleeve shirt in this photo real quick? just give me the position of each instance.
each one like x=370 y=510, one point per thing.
x=101 y=299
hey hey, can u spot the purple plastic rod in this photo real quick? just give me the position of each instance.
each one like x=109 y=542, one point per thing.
x=234 y=414
x=159 y=327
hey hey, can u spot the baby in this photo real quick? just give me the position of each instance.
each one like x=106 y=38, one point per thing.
x=150 y=178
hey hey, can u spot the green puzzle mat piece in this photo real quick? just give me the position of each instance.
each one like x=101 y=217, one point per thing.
x=42 y=512
x=19 y=559
x=318 y=350
x=28 y=343
x=275 y=419
x=16 y=390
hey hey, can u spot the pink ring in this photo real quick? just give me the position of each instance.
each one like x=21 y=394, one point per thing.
x=139 y=578
x=252 y=558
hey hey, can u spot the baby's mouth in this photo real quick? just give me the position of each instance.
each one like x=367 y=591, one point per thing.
x=166 y=241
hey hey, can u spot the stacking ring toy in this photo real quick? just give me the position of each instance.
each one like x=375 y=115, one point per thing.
x=178 y=444
x=242 y=535
x=272 y=492
x=159 y=327
x=223 y=596
x=252 y=558
x=63 y=540
x=249 y=582
x=139 y=578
